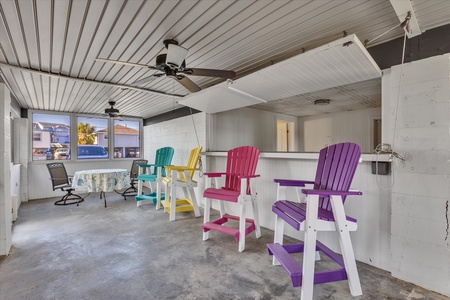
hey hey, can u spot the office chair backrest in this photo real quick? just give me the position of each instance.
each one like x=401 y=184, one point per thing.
x=58 y=174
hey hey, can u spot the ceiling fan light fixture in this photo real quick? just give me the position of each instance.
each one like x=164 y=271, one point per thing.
x=175 y=55
x=322 y=102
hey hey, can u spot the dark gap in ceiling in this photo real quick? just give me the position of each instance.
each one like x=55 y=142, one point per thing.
x=174 y=114
x=430 y=43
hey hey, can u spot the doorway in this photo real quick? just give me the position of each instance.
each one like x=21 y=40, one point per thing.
x=285 y=136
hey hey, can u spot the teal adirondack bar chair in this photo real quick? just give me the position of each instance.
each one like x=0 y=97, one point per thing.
x=154 y=173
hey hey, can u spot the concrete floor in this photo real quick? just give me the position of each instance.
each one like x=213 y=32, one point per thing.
x=126 y=252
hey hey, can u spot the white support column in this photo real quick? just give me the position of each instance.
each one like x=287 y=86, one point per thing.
x=5 y=162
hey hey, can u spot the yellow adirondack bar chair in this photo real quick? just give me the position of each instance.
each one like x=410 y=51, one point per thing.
x=181 y=177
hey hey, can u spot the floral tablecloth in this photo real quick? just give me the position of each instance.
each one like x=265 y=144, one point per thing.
x=101 y=180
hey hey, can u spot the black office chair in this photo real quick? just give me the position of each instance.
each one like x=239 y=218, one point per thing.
x=134 y=172
x=60 y=180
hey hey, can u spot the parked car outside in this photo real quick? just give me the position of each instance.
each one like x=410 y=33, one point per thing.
x=49 y=155
x=61 y=153
x=90 y=152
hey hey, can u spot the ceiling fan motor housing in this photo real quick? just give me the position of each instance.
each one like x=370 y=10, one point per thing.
x=111 y=110
x=161 y=64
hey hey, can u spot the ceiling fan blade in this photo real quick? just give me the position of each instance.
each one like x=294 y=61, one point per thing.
x=210 y=73
x=124 y=63
x=187 y=83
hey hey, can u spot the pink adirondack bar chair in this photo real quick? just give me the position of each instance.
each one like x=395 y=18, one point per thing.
x=239 y=188
x=322 y=211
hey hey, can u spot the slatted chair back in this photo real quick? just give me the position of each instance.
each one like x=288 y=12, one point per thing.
x=335 y=170
x=193 y=161
x=58 y=175
x=134 y=172
x=163 y=158
x=241 y=161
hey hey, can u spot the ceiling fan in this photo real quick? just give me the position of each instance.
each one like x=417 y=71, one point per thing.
x=111 y=111
x=172 y=64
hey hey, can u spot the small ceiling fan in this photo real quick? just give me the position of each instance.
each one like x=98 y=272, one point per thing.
x=173 y=65
x=111 y=111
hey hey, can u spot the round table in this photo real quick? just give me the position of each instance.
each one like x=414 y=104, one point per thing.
x=101 y=180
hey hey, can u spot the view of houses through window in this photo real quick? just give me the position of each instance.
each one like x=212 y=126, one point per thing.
x=52 y=135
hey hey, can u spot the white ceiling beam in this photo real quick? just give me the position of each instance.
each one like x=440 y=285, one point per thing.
x=402 y=8
x=119 y=86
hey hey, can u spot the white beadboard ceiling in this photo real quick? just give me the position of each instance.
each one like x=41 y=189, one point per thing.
x=336 y=64
x=48 y=47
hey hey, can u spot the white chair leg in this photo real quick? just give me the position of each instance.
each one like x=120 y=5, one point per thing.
x=256 y=217
x=281 y=192
x=242 y=226
x=206 y=217
x=158 y=194
x=191 y=195
x=173 y=200
x=221 y=208
x=309 y=249
x=346 y=246
x=139 y=192
x=168 y=191
x=278 y=236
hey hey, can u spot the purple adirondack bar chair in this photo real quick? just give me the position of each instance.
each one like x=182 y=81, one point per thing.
x=238 y=188
x=322 y=211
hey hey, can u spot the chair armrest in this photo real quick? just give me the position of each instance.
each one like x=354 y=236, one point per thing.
x=145 y=165
x=214 y=174
x=179 y=168
x=292 y=182
x=330 y=192
x=248 y=176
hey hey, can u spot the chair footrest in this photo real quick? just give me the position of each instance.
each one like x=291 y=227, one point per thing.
x=294 y=269
x=217 y=225
x=149 y=197
x=181 y=205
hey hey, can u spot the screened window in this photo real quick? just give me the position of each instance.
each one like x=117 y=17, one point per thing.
x=126 y=139
x=91 y=138
x=51 y=136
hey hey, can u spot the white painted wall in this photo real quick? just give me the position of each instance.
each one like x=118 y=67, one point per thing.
x=15 y=189
x=258 y=128
x=22 y=153
x=246 y=126
x=420 y=131
x=319 y=131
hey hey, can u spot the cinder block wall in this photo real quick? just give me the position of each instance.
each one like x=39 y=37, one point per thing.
x=420 y=131
x=181 y=134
